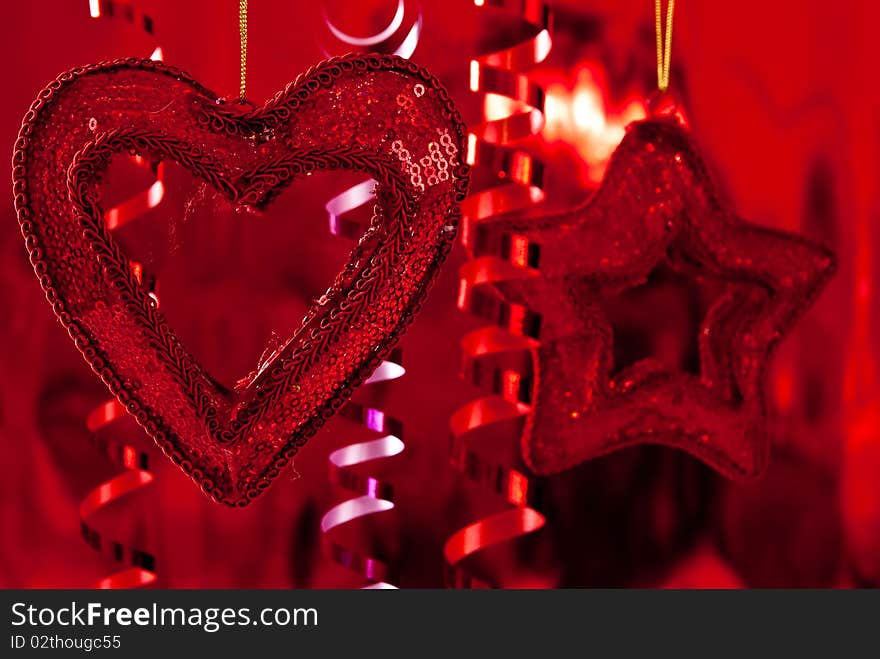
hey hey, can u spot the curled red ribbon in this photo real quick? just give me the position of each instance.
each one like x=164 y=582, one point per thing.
x=373 y=495
x=140 y=565
x=497 y=358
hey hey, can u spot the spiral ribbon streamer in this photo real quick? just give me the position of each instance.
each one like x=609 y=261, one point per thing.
x=338 y=208
x=497 y=358
x=373 y=495
x=140 y=565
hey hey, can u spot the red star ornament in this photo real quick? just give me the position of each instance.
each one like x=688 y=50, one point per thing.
x=655 y=209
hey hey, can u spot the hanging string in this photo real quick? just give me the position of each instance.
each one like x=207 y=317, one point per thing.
x=242 y=37
x=664 y=45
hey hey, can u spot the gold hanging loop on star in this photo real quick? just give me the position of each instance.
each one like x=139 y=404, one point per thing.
x=664 y=42
x=242 y=36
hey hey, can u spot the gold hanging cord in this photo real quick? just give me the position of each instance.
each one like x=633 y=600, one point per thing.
x=242 y=36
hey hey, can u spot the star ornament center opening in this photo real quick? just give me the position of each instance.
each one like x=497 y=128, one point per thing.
x=656 y=215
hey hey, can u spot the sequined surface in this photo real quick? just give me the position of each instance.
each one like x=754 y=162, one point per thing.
x=656 y=209
x=380 y=115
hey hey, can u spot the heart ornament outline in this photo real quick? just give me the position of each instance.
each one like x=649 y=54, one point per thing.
x=381 y=115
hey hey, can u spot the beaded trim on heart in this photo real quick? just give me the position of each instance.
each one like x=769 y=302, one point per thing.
x=399 y=197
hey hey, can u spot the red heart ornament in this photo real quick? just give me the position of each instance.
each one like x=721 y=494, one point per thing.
x=380 y=115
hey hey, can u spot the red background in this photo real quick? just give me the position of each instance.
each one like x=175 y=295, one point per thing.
x=783 y=98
